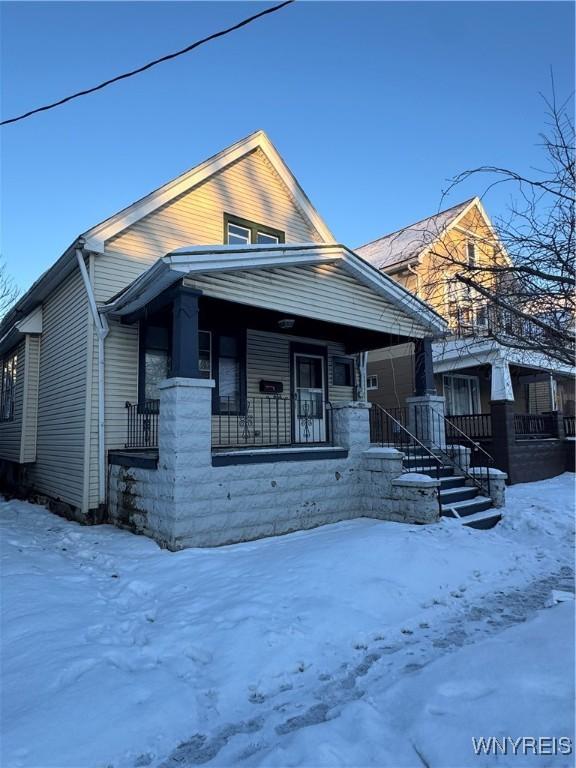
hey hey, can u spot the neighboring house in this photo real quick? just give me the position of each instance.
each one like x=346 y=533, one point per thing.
x=191 y=367
x=477 y=376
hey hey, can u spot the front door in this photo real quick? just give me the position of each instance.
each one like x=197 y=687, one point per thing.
x=309 y=407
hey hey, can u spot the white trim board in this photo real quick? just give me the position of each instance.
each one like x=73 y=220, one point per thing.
x=97 y=236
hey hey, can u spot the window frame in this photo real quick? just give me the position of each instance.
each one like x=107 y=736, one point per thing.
x=254 y=229
x=369 y=387
x=240 y=337
x=471 y=259
x=477 y=397
x=11 y=356
x=349 y=363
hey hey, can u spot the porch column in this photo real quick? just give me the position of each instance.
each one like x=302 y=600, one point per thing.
x=501 y=381
x=502 y=417
x=423 y=368
x=185 y=334
x=425 y=407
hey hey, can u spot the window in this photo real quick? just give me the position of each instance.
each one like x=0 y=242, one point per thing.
x=228 y=375
x=372 y=382
x=205 y=354
x=462 y=395
x=157 y=368
x=342 y=372
x=471 y=253
x=243 y=232
x=8 y=387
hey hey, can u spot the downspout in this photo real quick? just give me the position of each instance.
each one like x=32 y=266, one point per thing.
x=101 y=325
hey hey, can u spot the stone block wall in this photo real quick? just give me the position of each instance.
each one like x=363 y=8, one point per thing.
x=186 y=501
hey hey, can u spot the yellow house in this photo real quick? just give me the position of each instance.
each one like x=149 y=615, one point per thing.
x=472 y=371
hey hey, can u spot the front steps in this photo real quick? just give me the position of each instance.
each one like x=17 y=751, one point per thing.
x=457 y=500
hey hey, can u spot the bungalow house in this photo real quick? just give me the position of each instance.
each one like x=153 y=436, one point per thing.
x=519 y=406
x=192 y=367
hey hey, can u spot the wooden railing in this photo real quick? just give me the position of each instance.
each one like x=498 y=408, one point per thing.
x=570 y=426
x=534 y=425
x=477 y=426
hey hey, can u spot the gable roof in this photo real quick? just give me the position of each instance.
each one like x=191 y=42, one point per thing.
x=231 y=258
x=96 y=236
x=405 y=245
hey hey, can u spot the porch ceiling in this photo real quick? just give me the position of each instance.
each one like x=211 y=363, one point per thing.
x=322 y=282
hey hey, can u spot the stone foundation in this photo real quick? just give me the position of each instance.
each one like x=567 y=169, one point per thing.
x=188 y=502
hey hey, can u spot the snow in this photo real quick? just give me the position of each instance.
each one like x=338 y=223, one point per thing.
x=363 y=643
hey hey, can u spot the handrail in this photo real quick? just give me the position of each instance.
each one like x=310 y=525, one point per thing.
x=470 y=440
x=412 y=442
x=410 y=435
x=471 y=476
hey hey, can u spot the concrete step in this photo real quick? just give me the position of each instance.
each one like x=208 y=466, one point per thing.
x=459 y=493
x=467 y=507
x=426 y=469
x=456 y=481
x=483 y=520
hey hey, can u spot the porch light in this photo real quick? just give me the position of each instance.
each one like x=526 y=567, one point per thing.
x=286 y=323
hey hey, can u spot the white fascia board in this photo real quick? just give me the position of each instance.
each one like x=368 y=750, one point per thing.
x=97 y=236
x=32 y=323
x=462 y=353
x=227 y=258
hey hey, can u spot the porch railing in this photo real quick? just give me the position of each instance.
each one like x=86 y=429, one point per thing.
x=534 y=425
x=570 y=426
x=272 y=422
x=477 y=426
x=142 y=428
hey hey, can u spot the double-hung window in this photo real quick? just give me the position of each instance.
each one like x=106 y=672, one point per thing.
x=8 y=387
x=244 y=232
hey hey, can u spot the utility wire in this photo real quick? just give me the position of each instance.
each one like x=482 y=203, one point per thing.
x=150 y=64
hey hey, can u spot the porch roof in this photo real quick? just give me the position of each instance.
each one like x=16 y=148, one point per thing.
x=349 y=291
x=456 y=354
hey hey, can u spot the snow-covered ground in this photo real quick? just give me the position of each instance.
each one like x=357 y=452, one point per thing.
x=358 y=644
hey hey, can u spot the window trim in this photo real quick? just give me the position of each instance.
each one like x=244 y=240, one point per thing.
x=253 y=227
x=240 y=336
x=471 y=262
x=372 y=376
x=468 y=378
x=12 y=355
x=349 y=362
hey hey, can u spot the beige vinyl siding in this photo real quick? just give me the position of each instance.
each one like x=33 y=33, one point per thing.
x=11 y=431
x=323 y=292
x=59 y=466
x=248 y=188
x=121 y=385
x=268 y=357
x=30 y=400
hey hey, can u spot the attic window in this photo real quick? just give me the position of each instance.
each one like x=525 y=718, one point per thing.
x=244 y=232
x=471 y=253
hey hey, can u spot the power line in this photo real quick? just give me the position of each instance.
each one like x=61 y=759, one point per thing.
x=150 y=64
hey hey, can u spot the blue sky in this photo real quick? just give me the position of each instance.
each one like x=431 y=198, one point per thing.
x=373 y=105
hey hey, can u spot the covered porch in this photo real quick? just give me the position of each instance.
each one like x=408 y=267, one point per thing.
x=279 y=331
x=519 y=406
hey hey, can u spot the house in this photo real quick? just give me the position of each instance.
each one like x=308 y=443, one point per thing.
x=192 y=367
x=518 y=405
